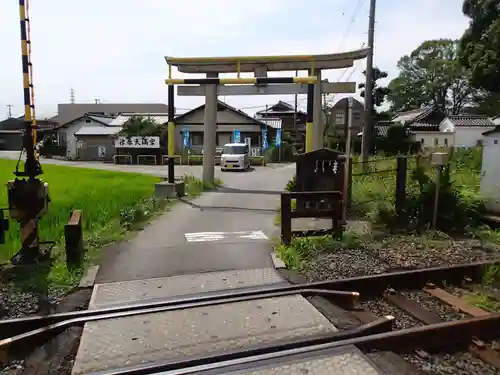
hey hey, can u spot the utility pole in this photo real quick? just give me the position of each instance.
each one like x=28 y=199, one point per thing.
x=368 y=124
x=9 y=106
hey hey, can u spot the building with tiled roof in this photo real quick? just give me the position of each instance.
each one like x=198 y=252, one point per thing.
x=433 y=128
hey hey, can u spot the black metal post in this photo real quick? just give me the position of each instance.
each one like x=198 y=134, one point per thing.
x=171 y=114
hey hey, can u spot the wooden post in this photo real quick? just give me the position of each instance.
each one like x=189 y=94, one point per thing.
x=348 y=198
x=73 y=235
x=401 y=172
x=338 y=214
x=286 y=219
x=439 y=172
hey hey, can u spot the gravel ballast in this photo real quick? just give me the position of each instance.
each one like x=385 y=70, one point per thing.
x=405 y=252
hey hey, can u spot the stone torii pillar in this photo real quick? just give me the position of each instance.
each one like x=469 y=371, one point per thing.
x=210 y=130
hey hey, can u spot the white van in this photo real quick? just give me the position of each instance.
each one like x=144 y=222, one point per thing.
x=235 y=156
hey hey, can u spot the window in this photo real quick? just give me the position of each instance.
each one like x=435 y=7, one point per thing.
x=422 y=141
x=436 y=142
x=197 y=139
x=495 y=141
x=446 y=141
x=236 y=150
x=339 y=118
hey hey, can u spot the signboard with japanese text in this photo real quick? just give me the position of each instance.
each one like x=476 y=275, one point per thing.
x=185 y=139
x=319 y=170
x=277 y=141
x=137 y=142
x=101 y=150
x=265 y=144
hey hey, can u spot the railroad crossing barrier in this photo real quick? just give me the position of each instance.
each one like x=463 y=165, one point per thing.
x=73 y=235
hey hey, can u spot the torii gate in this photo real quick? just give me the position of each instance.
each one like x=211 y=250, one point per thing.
x=260 y=84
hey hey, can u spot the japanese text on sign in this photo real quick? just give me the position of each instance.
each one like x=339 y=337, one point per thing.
x=137 y=142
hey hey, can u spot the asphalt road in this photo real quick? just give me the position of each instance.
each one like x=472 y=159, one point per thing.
x=225 y=230
x=228 y=229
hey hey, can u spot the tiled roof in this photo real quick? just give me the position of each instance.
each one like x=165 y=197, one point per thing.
x=288 y=108
x=98 y=130
x=157 y=118
x=413 y=115
x=222 y=104
x=471 y=120
x=423 y=125
x=103 y=119
x=273 y=122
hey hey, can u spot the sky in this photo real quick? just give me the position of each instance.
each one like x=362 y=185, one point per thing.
x=114 y=50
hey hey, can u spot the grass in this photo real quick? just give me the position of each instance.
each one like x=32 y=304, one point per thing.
x=303 y=249
x=113 y=204
x=480 y=295
x=373 y=194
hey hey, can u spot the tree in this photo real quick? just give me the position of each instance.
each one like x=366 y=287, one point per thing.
x=480 y=44
x=486 y=103
x=141 y=126
x=432 y=75
x=379 y=93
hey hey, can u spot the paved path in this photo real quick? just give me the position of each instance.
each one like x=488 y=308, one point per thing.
x=223 y=230
x=212 y=244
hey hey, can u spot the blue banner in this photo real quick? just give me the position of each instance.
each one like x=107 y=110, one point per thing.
x=277 y=142
x=236 y=136
x=265 y=145
x=186 y=138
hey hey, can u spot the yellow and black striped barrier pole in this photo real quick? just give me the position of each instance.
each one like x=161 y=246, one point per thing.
x=28 y=198
x=240 y=81
x=171 y=134
x=32 y=167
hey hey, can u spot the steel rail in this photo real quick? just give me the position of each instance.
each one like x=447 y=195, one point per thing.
x=368 y=286
x=381 y=325
x=457 y=333
x=425 y=316
x=40 y=334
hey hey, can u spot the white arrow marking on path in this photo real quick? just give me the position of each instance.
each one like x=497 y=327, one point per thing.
x=218 y=236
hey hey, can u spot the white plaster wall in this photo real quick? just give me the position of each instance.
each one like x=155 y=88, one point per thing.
x=429 y=138
x=469 y=136
x=71 y=145
x=490 y=172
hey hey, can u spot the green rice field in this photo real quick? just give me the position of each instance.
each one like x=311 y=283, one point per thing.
x=104 y=196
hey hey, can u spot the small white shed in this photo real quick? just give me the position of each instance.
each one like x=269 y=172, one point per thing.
x=490 y=170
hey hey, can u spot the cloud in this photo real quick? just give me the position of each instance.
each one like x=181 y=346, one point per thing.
x=113 y=50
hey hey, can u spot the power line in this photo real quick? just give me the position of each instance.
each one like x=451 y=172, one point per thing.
x=347 y=69
x=352 y=21
x=9 y=106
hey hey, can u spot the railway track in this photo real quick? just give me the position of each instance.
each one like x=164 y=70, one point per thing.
x=413 y=313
